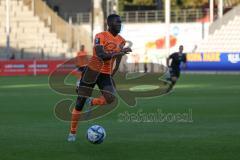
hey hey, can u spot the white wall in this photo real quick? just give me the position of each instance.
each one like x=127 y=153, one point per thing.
x=187 y=34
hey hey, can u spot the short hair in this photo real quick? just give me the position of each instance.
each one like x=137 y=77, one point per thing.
x=180 y=46
x=111 y=17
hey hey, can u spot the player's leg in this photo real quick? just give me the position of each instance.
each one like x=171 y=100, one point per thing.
x=84 y=91
x=175 y=76
x=99 y=101
x=79 y=76
x=108 y=88
x=76 y=113
x=174 y=80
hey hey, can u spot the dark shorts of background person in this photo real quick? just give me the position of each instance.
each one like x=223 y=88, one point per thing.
x=91 y=78
x=174 y=72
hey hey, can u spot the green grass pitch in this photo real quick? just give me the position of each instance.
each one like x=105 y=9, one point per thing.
x=30 y=131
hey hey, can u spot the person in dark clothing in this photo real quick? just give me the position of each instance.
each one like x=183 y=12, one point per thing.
x=174 y=67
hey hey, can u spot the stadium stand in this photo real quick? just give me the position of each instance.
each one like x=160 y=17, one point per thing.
x=28 y=32
x=230 y=3
x=224 y=34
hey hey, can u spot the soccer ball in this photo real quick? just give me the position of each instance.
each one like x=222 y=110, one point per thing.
x=96 y=134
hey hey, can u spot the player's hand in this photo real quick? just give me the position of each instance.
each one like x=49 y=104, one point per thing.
x=126 y=50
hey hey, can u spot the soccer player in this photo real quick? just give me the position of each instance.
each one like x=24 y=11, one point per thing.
x=108 y=48
x=174 y=67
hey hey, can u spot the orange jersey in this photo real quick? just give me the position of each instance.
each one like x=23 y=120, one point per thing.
x=81 y=59
x=111 y=45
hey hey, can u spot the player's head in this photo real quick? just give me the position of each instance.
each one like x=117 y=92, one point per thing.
x=181 y=48
x=114 y=23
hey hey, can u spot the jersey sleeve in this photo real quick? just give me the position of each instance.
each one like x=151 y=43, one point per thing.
x=99 y=40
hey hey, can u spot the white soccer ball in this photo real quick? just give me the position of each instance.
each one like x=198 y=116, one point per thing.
x=96 y=134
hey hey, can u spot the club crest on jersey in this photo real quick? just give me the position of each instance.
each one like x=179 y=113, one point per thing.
x=97 y=41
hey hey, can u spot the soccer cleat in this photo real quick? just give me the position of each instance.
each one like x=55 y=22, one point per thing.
x=71 y=137
x=89 y=101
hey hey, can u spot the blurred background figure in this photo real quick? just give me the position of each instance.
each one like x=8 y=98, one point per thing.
x=136 y=59
x=146 y=61
x=12 y=56
x=81 y=58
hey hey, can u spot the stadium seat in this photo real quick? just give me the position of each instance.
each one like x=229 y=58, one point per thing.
x=28 y=31
x=225 y=38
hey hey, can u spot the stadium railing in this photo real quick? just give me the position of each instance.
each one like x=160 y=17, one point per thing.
x=185 y=15
x=148 y=16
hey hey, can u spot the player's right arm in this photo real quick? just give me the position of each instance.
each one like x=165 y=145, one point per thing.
x=168 y=60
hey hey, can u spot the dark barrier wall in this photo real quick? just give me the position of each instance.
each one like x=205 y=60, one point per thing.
x=196 y=62
x=213 y=62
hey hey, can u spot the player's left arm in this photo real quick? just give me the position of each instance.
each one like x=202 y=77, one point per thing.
x=118 y=61
x=119 y=58
x=184 y=61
